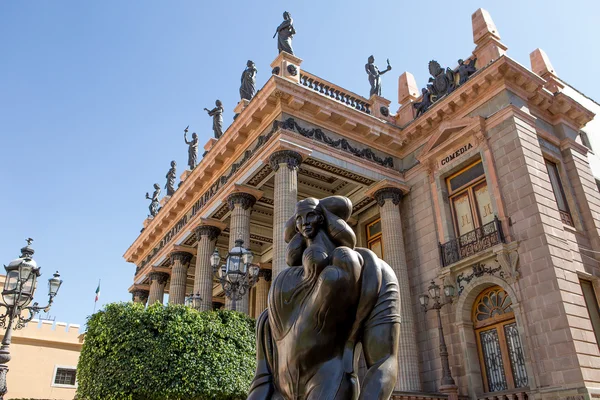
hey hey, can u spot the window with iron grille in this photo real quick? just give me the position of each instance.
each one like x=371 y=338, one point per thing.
x=65 y=376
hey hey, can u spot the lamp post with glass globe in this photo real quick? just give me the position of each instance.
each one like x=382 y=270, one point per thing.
x=194 y=301
x=434 y=294
x=238 y=274
x=19 y=287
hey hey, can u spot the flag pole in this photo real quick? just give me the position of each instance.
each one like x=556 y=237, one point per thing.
x=97 y=294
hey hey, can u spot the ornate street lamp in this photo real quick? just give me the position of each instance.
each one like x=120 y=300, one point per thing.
x=238 y=274
x=19 y=287
x=434 y=294
x=194 y=301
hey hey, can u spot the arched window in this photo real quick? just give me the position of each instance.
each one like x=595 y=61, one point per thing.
x=498 y=341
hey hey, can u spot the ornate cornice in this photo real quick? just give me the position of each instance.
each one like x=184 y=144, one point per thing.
x=289 y=157
x=160 y=277
x=388 y=193
x=244 y=200
x=182 y=256
x=212 y=232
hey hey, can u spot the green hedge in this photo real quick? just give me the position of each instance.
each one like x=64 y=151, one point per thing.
x=172 y=352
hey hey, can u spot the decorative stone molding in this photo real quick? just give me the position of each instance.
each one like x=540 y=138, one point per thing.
x=266 y=274
x=508 y=258
x=160 y=277
x=291 y=158
x=478 y=271
x=342 y=144
x=244 y=200
x=181 y=256
x=207 y=230
x=388 y=193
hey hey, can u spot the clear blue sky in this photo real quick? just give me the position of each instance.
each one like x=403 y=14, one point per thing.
x=94 y=96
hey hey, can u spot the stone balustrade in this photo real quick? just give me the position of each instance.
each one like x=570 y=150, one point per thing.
x=335 y=92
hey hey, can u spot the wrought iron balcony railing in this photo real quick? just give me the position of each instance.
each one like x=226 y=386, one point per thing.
x=472 y=242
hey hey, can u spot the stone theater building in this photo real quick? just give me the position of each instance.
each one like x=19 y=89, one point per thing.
x=485 y=180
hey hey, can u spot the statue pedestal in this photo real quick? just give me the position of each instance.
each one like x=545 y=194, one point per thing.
x=185 y=174
x=209 y=145
x=406 y=113
x=450 y=390
x=147 y=221
x=287 y=66
x=380 y=107
x=240 y=107
x=164 y=200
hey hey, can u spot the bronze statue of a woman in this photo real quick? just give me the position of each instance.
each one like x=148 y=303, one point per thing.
x=192 y=149
x=333 y=297
x=171 y=177
x=154 y=203
x=248 y=87
x=285 y=32
x=217 y=114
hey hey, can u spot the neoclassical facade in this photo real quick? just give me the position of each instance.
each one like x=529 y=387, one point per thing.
x=485 y=180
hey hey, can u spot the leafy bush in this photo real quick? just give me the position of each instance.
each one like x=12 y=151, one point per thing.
x=172 y=352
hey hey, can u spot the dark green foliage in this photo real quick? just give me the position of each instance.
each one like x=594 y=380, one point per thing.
x=172 y=352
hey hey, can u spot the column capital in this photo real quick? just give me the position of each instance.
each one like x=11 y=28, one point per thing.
x=291 y=158
x=387 y=190
x=182 y=256
x=160 y=277
x=241 y=199
x=141 y=294
x=266 y=274
x=212 y=232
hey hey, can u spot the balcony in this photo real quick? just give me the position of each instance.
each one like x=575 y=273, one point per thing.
x=482 y=238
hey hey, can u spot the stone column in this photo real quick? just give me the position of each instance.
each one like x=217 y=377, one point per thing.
x=203 y=279
x=285 y=164
x=262 y=290
x=180 y=261
x=157 y=287
x=140 y=296
x=240 y=204
x=388 y=199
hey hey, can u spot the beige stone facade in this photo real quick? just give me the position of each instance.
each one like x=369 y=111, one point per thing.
x=44 y=359
x=492 y=190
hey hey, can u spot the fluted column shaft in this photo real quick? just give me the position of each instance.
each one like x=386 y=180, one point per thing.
x=180 y=261
x=285 y=164
x=240 y=204
x=140 y=296
x=157 y=287
x=394 y=254
x=203 y=279
x=262 y=290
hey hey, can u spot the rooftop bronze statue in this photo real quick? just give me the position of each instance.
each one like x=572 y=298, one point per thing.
x=171 y=177
x=424 y=104
x=466 y=70
x=192 y=149
x=248 y=87
x=333 y=297
x=217 y=115
x=154 y=204
x=285 y=32
x=375 y=75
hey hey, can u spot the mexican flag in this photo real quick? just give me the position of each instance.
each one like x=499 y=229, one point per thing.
x=97 y=293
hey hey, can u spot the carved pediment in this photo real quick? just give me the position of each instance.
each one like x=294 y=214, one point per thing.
x=449 y=132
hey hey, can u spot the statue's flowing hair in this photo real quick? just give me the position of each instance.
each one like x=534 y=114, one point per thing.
x=335 y=210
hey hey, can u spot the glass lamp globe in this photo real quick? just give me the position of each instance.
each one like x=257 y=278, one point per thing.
x=54 y=284
x=424 y=300
x=449 y=291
